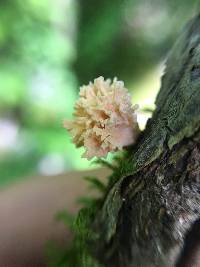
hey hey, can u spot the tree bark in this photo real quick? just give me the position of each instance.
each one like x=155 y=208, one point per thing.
x=151 y=215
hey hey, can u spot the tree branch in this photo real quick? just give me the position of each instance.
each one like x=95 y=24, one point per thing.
x=148 y=212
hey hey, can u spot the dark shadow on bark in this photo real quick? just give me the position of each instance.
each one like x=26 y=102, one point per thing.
x=190 y=254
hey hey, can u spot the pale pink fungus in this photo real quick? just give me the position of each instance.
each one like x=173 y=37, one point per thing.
x=104 y=118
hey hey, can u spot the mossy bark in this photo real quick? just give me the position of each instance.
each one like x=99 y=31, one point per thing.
x=148 y=212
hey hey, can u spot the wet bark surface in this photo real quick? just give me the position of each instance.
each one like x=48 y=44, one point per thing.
x=160 y=204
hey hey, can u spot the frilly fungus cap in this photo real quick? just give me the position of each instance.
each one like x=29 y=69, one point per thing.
x=104 y=118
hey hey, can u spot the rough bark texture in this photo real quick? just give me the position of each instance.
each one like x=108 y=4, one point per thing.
x=151 y=215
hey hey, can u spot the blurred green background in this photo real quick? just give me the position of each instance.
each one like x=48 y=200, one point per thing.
x=49 y=48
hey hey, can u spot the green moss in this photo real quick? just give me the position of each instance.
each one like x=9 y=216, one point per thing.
x=78 y=253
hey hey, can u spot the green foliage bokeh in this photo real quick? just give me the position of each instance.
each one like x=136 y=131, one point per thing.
x=49 y=48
